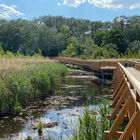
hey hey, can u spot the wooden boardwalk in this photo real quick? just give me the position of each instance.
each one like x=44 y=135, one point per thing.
x=106 y=64
x=134 y=72
x=93 y=64
x=125 y=98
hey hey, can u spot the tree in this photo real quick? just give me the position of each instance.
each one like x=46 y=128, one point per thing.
x=30 y=35
x=72 y=49
x=1 y=49
x=54 y=35
x=98 y=37
x=10 y=35
x=88 y=48
x=134 y=49
x=111 y=50
x=116 y=37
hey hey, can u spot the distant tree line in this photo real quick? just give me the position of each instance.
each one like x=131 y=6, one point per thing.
x=53 y=36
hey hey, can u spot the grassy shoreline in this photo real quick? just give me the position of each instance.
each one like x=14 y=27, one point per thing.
x=23 y=81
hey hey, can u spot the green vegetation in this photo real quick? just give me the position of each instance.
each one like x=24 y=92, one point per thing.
x=28 y=82
x=53 y=36
x=28 y=138
x=92 y=125
x=40 y=127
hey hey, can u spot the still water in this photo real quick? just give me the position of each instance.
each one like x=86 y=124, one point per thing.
x=59 y=113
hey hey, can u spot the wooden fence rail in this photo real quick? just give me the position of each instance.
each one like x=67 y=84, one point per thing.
x=106 y=64
x=126 y=105
x=94 y=64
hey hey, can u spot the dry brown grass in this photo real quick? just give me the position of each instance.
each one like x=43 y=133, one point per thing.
x=18 y=63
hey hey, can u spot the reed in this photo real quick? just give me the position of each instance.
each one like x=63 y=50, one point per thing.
x=40 y=127
x=26 y=80
x=92 y=125
x=28 y=138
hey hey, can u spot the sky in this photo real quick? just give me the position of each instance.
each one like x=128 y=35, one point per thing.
x=99 y=10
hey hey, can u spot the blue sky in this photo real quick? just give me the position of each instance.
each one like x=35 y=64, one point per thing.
x=104 y=10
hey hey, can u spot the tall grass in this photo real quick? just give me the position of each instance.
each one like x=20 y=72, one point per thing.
x=27 y=81
x=92 y=125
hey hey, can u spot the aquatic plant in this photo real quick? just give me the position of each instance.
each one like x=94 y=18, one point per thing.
x=92 y=125
x=28 y=138
x=104 y=122
x=40 y=127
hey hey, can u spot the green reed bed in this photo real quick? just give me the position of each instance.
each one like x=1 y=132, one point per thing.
x=93 y=124
x=31 y=82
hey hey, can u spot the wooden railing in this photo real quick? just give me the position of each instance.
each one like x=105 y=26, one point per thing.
x=137 y=65
x=126 y=105
x=95 y=64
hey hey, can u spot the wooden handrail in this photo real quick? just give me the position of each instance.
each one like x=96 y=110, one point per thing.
x=132 y=80
x=125 y=103
x=95 y=64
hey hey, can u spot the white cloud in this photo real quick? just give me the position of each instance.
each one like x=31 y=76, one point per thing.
x=59 y=4
x=74 y=3
x=8 y=11
x=114 y=4
x=105 y=3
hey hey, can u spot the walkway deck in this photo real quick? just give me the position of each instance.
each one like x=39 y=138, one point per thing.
x=134 y=72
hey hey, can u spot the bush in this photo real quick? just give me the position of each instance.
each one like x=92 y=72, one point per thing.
x=133 y=51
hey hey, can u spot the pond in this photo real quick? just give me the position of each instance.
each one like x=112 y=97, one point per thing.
x=59 y=113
